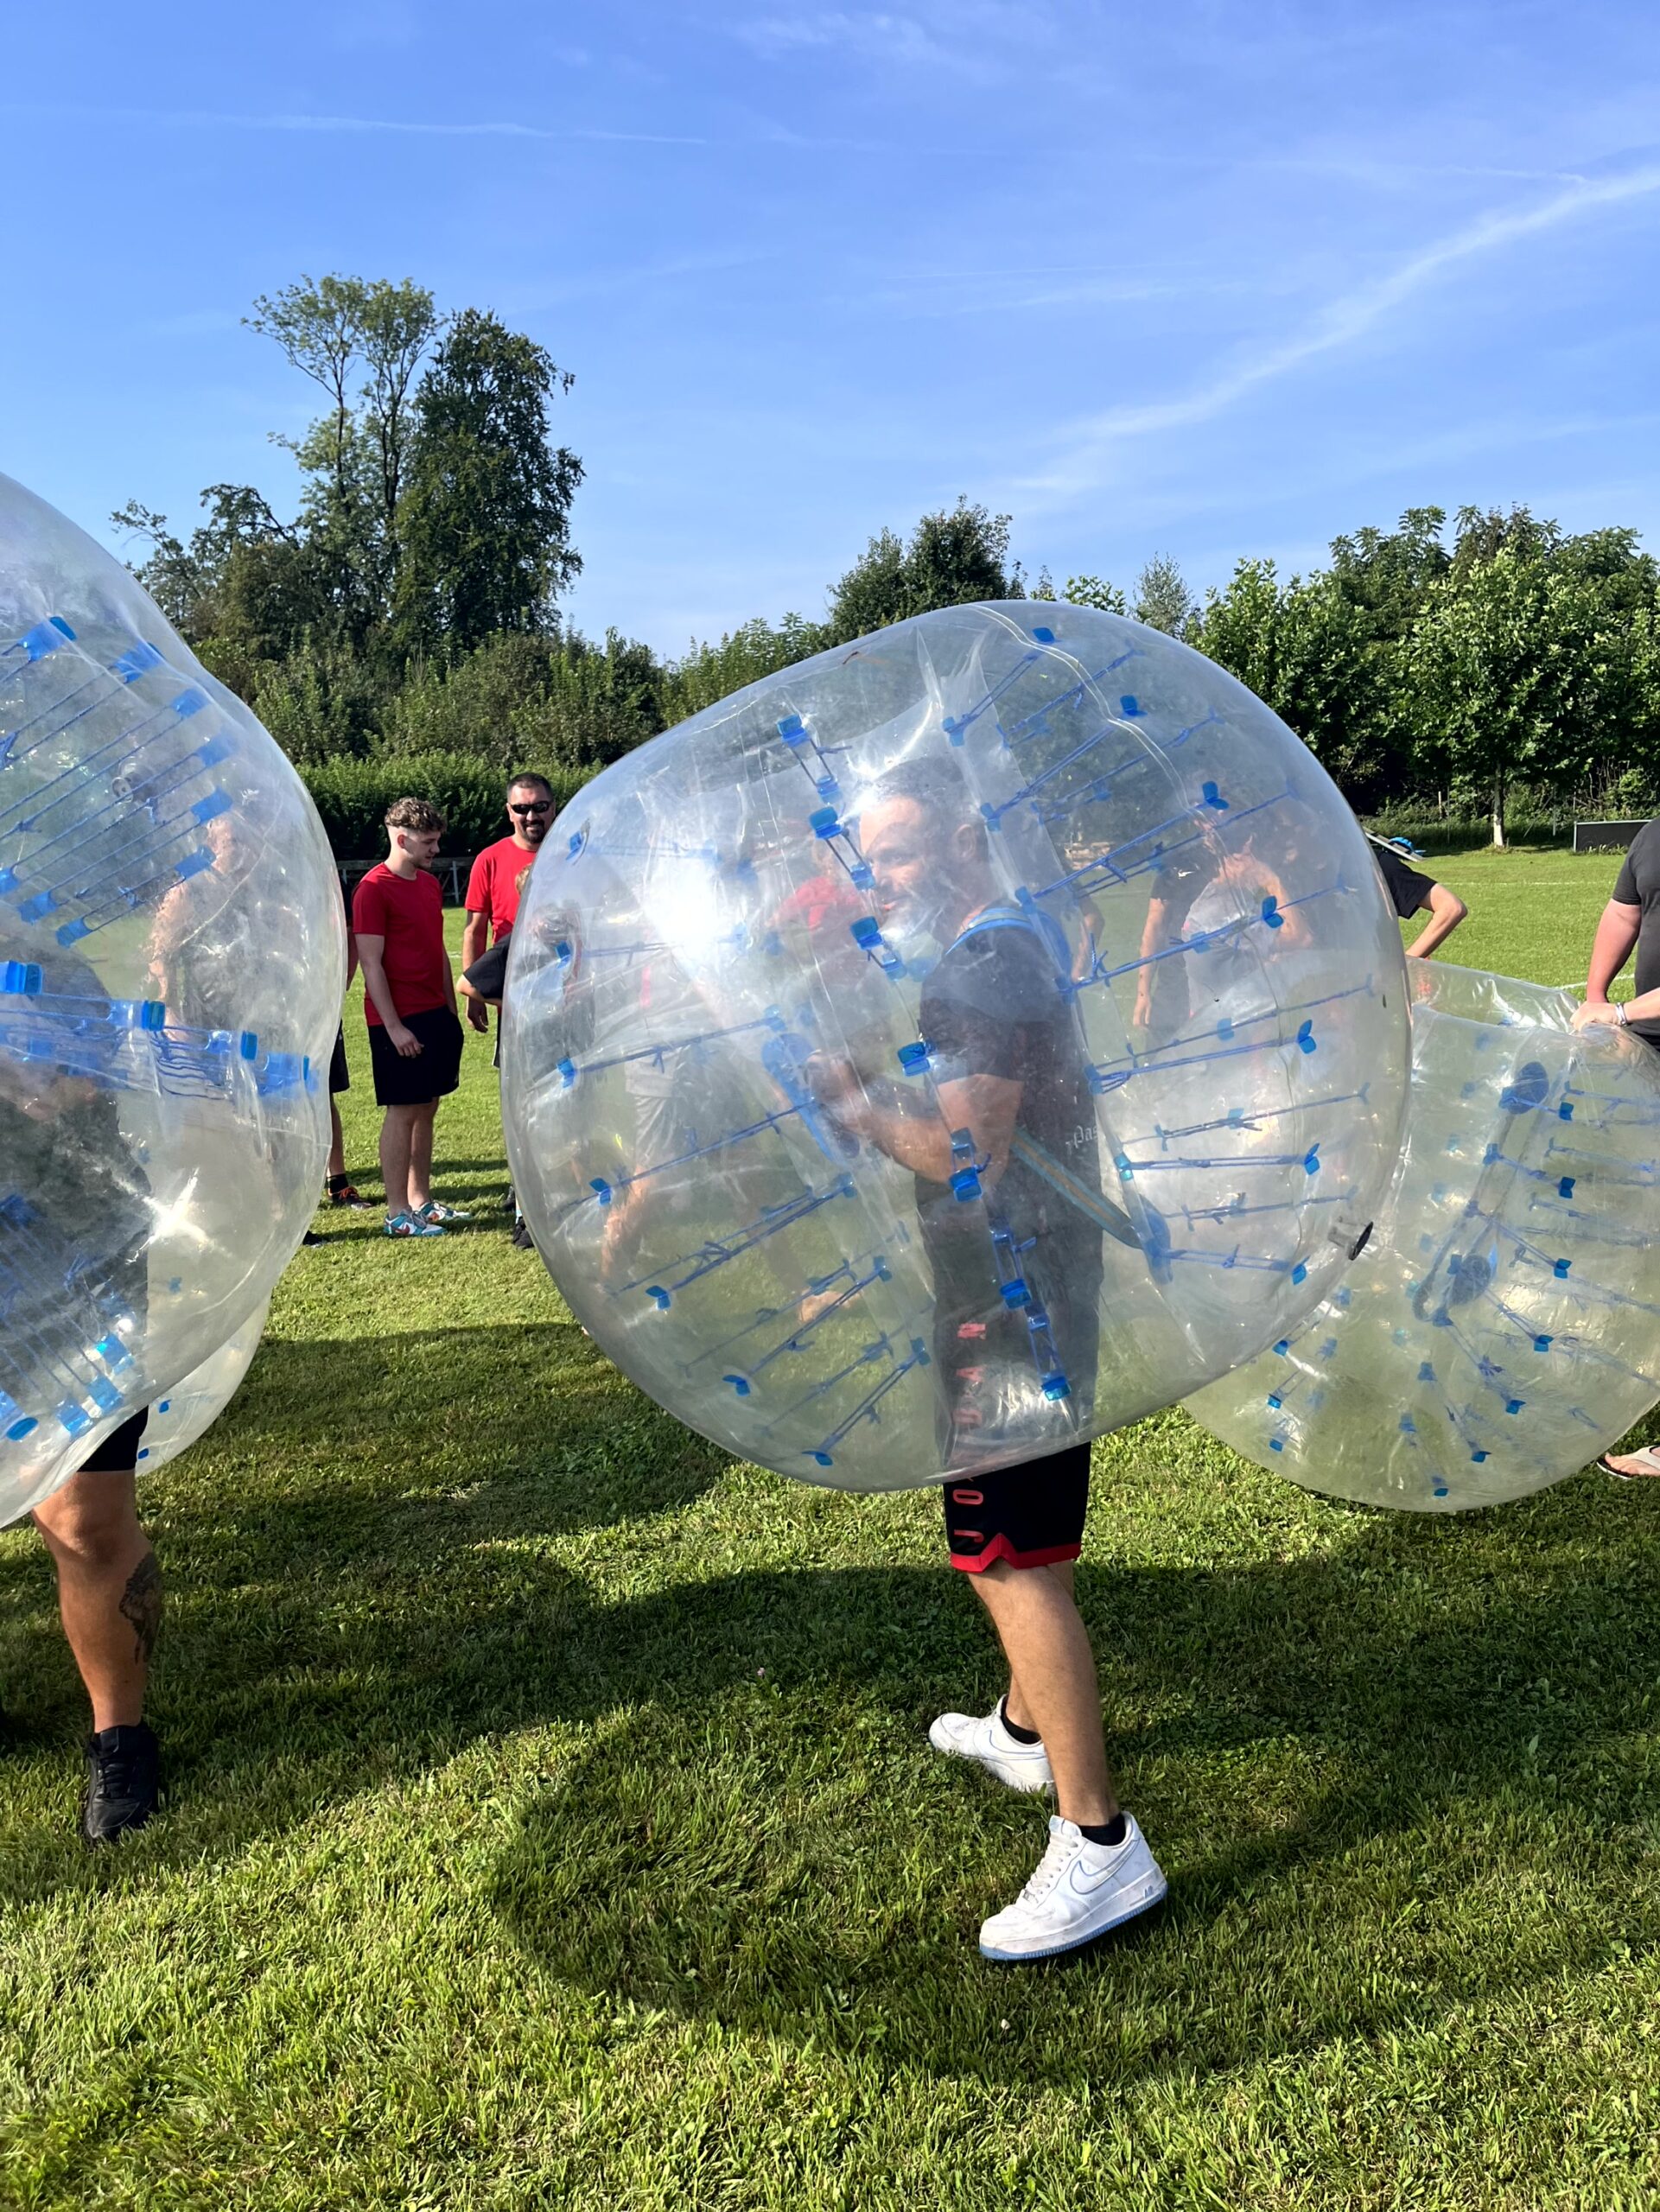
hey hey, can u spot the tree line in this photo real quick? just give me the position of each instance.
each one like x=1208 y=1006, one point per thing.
x=405 y=625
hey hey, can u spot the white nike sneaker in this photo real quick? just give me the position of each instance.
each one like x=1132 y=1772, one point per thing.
x=1080 y=1890
x=969 y=1736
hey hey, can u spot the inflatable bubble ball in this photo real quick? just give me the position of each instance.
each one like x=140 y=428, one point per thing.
x=191 y=1407
x=954 y=1046
x=171 y=962
x=1498 y=1332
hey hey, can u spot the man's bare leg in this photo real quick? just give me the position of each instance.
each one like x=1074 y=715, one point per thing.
x=109 y=1590
x=1052 y=1683
x=397 y=1132
x=336 y=1142
x=420 y=1176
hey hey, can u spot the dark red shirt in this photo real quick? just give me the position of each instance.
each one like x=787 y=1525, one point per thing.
x=409 y=914
x=493 y=886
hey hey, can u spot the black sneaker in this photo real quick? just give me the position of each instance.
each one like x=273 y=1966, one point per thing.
x=522 y=1239
x=122 y=1777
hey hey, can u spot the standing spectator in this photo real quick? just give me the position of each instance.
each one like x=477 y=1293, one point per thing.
x=498 y=876
x=409 y=998
x=1632 y=918
x=1410 y=891
x=493 y=888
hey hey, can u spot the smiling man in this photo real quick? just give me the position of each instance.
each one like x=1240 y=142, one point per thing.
x=1011 y=1099
x=498 y=875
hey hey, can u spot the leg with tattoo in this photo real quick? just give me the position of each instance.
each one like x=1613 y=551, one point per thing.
x=109 y=1589
x=141 y=1605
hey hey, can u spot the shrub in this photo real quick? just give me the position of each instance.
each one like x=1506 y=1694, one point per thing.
x=352 y=795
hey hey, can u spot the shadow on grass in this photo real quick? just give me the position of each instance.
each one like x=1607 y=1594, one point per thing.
x=1353 y=1764
x=390 y=1601
x=1351 y=1772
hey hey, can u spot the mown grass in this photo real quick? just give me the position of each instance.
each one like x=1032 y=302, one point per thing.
x=551 y=1823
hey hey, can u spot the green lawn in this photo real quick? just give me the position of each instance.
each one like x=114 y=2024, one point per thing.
x=551 y=1821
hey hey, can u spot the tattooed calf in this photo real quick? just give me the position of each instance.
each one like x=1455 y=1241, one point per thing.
x=141 y=1605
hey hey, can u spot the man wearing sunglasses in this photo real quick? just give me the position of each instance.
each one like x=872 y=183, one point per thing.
x=493 y=892
x=493 y=886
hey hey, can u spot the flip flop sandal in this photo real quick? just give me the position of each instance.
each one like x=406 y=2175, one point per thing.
x=1649 y=1457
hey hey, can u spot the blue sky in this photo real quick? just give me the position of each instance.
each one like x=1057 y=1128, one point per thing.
x=1196 y=277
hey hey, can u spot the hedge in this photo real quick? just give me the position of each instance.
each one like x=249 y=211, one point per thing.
x=353 y=796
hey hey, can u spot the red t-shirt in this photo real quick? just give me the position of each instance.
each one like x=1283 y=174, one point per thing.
x=409 y=912
x=492 y=888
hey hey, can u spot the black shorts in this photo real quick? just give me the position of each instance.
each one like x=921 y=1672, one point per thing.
x=1031 y=1514
x=340 y=1076
x=119 y=1450
x=433 y=1072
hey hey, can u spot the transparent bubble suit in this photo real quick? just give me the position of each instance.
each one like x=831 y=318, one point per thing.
x=1026 y=845
x=1499 y=1330
x=191 y=1407
x=171 y=960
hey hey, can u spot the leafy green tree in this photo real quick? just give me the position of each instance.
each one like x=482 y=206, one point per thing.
x=1302 y=649
x=954 y=558
x=1095 y=591
x=1163 y=599
x=485 y=513
x=339 y=329
x=1520 y=671
x=520 y=696
x=743 y=655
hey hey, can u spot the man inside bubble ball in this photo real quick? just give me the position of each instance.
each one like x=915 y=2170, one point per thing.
x=1010 y=1090
x=75 y=1201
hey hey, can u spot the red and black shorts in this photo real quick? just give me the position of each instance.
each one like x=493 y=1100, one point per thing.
x=1031 y=1514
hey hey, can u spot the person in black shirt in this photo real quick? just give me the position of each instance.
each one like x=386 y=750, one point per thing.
x=1017 y=1271
x=1410 y=891
x=1632 y=918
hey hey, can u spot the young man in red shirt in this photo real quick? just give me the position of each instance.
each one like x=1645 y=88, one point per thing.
x=409 y=998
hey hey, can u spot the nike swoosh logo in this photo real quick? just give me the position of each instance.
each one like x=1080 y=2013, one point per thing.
x=1085 y=1885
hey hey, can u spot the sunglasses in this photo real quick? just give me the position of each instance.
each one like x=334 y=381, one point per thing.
x=537 y=806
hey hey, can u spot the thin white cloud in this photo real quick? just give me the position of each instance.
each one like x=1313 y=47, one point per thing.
x=873 y=34
x=214 y=119
x=1339 y=324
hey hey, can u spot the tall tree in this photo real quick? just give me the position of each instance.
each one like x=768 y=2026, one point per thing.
x=1163 y=599
x=361 y=342
x=485 y=509
x=953 y=558
x=1520 y=669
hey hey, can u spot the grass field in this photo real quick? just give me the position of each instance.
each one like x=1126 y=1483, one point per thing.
x=551 y=1821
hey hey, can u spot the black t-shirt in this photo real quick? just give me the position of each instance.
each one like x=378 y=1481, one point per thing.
x=992 y=1007
x=489 y=974
x=1408 y=890
x=1639 y=885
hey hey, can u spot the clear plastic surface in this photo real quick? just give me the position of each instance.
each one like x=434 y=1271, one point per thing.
x=954 y=1046
x=171 y=964
x=1498 y=1332
x=191 y=1407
